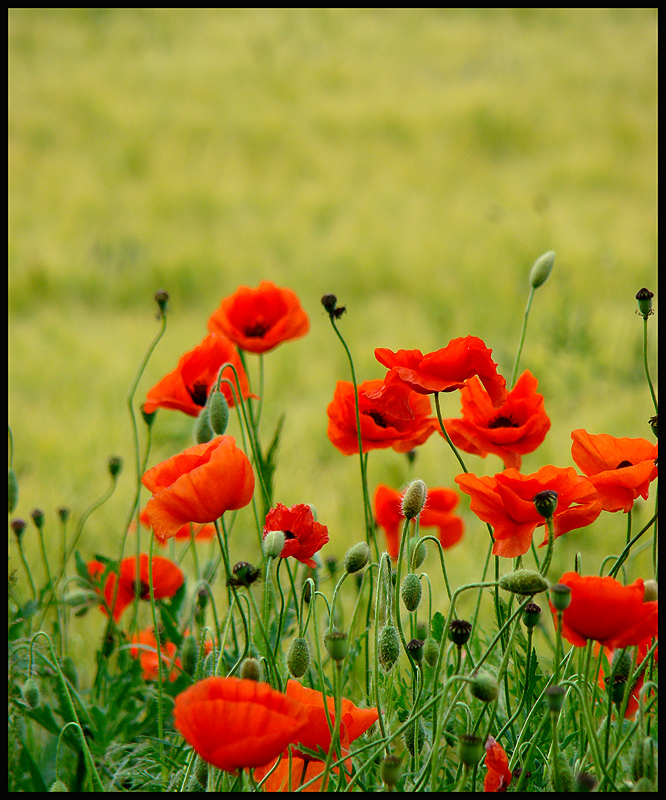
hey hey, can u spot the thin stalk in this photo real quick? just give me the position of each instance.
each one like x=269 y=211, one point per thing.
x=522 y=337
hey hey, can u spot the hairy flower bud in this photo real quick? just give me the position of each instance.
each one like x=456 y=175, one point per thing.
x=388 y=647
x=274 y=544
x=414 y=499
x=202 y=431
x=298 y=657
x=357 y=557
x=651 y=591
x=189 y=654
x=417 y=552
x=411 y=591
x=390 y=770
x=30 y=693
x=414 y=734
x=430 y=651
x=484 y=687
x=541 y=269
x=218 y=412
x=523 y=582
x=250 y=669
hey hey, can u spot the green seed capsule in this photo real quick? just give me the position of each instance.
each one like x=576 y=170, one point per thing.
x=189 y=654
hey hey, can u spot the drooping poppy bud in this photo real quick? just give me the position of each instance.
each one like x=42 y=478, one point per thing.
x=411 y=591
x=523 y=582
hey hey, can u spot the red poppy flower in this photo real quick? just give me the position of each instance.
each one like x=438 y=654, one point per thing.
x=499 y=775
x=202 y=533
x=147 y=656
x=233 y=723
x=446 y=369
x=517 y=427
x=383 y=424
x=198 y=485
x=304 y=536
x=606 y=611
x=505 y=502
x=167 y=579
x=187 y=387
x=619 y=469
x=436 y=513
x=257 y=320
x=302 y=772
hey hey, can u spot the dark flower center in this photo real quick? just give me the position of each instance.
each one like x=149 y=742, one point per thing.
x=258 y=329
x=377 y=418
x=289 y=535
x=198 y=393
x=143 y=590
x=624 y=464
x=503 y=422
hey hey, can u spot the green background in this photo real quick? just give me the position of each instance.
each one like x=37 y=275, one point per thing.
x=413 y=162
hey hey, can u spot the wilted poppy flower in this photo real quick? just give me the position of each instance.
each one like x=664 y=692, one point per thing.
x=198 y=485
x=202 y=533
x=505 y=501
x=446 y=369
x=383 y=425
x=498 y=776
x=257 y=320
x=147 y=655
x=233 y=723
x=187 y=387
x=436 y=513
x=303 y=535
x=167 y=579
x=516 y=427
x=620 y=469
x=606 y=611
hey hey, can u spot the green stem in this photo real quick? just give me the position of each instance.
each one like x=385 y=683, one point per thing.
x=645 y=363
x=446 y=435
x=522 y=337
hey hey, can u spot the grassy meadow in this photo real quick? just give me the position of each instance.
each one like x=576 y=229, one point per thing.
x=415 y=162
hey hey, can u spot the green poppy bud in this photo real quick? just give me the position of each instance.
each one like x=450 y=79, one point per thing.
x=390 y=770
x=69 y=671
x=298 y=657
x=417 y=552
x=250 y=670
x=411 y=591
x=218 y=412
x=560 y=596
x=643 y=764
x=13 y=492
x=30 y=693
x=430 y=651
x=470 y=749
x=189 y=654
x=337 y=645
x=388 y=647
x=523 y=582
x=148 y=418
x=414 y=733
x=484 y=687
x=357 y=557
x=414 y=499
x=651 y=591
x=18 y=526
x=541 y=269
x=274 y=544
x=200 y=772
x=202 y=431
x=38 y=518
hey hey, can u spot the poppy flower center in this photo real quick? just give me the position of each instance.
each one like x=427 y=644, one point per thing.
x=198 y=393
x=258 y=329
x=501 y=421
x=624 y=464
x=377 y=418
x=143 y=590
x=289 y=535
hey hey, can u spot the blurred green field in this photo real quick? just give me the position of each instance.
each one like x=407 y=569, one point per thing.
x=413 y=162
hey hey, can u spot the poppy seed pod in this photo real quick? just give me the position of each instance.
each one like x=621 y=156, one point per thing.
x=644 y=297
x=555 y=698
x=542 y=268
x=523 y=582
x=337 y=645
x=470 y=749
x=162 y=298
x=411 y=591
x=546 y=503
x=357 y=557
x=484 y=687
x=560 y=596
x=218 y=412
x=531 y=615
x=414 y=499
x=298 y=658
x=459 y=631
x=390 y=770
x=115 y=466
x=388 y=647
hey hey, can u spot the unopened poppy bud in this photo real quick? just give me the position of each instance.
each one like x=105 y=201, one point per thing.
x=58 y=786
x=13 y=490
x=484 y=687
x=250 y=669
x=643 y=764
x=411 y=591
x=148 y=418
x=541 y=269
x=560 y=596
x=555 y=698
x=460 y=631
x=545 y=503
x=273 y=544
x=430 y=651
x=189 y=654
x=470 y=749
x=585 y=782
x=63 y=513
x=162 y=298
x=565 y=777
x=200 y=772
x=38 y=518
x=331 y=563
x=337 y=645
x=412 y=736
x=390 y=770
x=644 y=297
x=523 y=582
x=531 y=615
x=615 y=686
x=414 y=499
x=651 y=591
x=357 y=557
x=422 y=629
x=218 y=412
x=18 y=526
x=388 y=647
x=417 y=552
x=30 y=693
x=115 y=466
x=69 y=671
x=298 y=657
x=202 y=431
x=415 y=649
